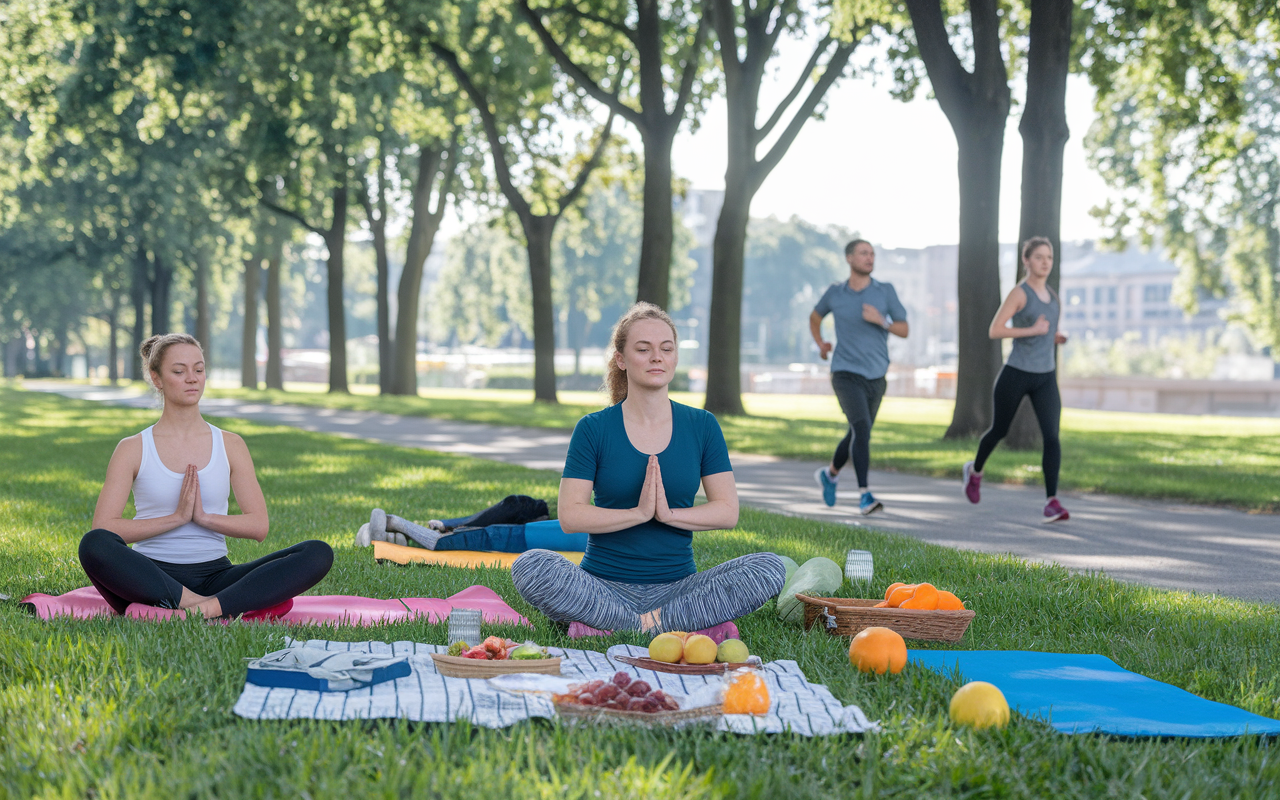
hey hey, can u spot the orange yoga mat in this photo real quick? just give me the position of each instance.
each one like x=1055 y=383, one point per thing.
x=385 y=551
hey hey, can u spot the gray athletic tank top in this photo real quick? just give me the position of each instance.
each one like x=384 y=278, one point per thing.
x=1035 y=353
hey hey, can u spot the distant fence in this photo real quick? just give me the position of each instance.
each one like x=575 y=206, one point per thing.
x=1168 y=396
x=1154 y=395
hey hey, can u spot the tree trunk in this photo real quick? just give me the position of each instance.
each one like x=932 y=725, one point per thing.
x=275 y=325
x=113 y=347
x=981 y=145
x=204 y=325
x=538 y=231
x=422 y=237
x=378 y=227
x=249 y=333
x=976 y=104
x=1044 y=136
x=654 y=280
x=139 y=288
x=161 y=281
x=335 y=240
x=724 y=348
x=12 y=348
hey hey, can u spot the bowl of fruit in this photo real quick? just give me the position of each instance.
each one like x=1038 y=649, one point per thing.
x=494 y=656
x=633 y=701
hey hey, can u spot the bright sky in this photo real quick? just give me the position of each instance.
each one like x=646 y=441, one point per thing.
x=879 y=166
x=886 y=168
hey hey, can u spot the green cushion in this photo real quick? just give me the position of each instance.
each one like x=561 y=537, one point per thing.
x=790 y=564
x=818 y=577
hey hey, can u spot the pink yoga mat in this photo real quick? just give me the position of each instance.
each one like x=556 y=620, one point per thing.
x=326 y=608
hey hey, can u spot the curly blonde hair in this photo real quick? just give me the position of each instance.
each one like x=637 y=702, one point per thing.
x=615 y=378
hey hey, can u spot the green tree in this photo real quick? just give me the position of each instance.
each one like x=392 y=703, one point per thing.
x=482 y=295
x=520 y=117
x=648 y=62
x=747 y=35
x=595 y=254
x=1189 y=126
x=302 y=91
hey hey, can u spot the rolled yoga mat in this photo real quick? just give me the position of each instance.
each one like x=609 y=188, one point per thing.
x=548 y=535
x=385 y=551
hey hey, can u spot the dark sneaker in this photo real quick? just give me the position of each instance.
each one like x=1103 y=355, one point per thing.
x=1054 y=512
x=869 y=504
x=827 y=485
x=972 y=483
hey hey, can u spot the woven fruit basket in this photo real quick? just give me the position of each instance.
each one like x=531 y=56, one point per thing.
x=846 y=616
x=458 y=667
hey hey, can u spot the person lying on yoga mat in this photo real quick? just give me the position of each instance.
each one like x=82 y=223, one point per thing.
x=514 y=525
x=181 y=471
x=644 y=457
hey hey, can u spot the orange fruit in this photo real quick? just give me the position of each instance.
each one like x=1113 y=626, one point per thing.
x=949 y=602
x=878 y=650
x=904 y=592
x=882 y=604
x=747 y=695
x=924 y=599
x=892 y=586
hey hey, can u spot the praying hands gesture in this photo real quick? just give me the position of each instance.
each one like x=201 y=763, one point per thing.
x=190 y=506
x=188 y=497
x=653 y=496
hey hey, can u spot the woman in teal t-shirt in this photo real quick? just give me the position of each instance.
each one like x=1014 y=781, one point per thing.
x=644 y=458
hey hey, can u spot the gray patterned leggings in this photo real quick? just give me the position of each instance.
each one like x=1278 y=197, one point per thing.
x=567 y=593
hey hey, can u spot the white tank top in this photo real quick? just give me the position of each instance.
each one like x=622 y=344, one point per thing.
x=155 y=494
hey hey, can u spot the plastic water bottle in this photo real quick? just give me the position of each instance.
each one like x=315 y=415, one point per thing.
x=464 y=626
x=858 y=566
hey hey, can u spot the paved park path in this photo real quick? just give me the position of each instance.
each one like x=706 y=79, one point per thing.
x=1172 y=546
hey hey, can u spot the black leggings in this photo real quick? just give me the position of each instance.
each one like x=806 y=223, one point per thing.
x=123 y=576
x=514 y=509
x=1011 y=386
x=859 y=398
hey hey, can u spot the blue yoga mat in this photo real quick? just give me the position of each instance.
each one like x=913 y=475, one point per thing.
x=1077 y=693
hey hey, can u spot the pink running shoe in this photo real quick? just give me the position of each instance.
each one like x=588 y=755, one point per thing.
x=718 y=633
x=1054 y=512
x=972 y=483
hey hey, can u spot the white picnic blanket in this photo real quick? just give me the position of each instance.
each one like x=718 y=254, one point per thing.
x=426 y=696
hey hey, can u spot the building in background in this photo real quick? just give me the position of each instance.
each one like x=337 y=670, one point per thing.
x=1106 y=295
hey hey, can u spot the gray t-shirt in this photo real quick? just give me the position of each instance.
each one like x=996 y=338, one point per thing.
x=861 y=346
x=1035 y=353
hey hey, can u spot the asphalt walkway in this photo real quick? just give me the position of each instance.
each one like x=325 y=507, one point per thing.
x=1162 y=544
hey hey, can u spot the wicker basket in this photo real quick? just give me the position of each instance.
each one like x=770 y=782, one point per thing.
x=575 y=712
x=846 y=616
x=459 y=667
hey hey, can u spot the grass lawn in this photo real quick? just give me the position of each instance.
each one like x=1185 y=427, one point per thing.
x=122 y=709
x=1231 y=461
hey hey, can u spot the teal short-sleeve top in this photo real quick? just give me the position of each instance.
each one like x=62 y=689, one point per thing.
x=601 y=452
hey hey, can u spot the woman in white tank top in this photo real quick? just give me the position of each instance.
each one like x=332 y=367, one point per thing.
x=181 y=472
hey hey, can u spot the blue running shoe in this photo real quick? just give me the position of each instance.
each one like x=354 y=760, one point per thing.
x=869 y=504
x=827 y=485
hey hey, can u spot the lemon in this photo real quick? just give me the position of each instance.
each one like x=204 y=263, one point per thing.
x=979 y=704
x=732 y=651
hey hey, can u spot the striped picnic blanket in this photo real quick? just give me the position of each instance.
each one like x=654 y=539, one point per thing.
x=426 y=696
